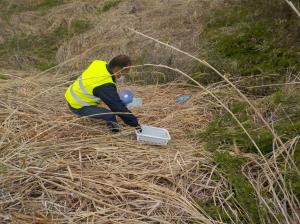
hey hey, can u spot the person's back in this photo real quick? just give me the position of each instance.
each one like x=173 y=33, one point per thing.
x=97 y=85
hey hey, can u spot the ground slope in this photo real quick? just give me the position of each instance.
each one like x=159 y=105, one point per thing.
x=39 y=34
x=57 y=168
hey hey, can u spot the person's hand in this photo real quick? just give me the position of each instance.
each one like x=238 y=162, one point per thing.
x=139 y=129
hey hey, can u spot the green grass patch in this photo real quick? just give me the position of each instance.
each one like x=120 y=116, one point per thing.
x=80 y=26
x=41 y=49
x=253 y=50
x=110 y=4
x=281 y=109
x=258 y=42
x=293 y=177
x=293 y=180
x=214 y=211
x=46 y=5
x=3 y=77
x=252 y=38
x=245 y=195
x=8 y=9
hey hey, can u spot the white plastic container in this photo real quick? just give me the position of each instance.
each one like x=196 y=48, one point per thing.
x=153 y=136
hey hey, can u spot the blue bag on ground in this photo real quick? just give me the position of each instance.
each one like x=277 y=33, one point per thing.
x=182 y=99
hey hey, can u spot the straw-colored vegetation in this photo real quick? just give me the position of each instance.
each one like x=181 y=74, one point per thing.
x=234 y=155
x=74 y=170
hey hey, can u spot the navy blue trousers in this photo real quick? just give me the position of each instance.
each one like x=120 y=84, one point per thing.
x=99 y=113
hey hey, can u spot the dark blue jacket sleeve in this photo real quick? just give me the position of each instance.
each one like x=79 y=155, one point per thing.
x=109 y=95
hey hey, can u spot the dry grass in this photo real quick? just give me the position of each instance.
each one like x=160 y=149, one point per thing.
x=293 y=7
x=57 y=168
x=283 y=208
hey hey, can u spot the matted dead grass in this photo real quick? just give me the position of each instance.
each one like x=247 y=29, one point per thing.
x=58 y=168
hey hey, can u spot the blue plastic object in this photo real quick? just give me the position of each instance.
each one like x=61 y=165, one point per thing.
x=136 y=102
x=182 y=99
x=126 y=96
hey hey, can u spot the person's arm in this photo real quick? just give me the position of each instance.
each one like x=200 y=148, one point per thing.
x=109 y=95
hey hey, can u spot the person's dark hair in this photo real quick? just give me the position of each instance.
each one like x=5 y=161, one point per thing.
x=120 y=61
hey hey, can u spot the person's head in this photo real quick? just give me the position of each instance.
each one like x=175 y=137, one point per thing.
x=118 y=63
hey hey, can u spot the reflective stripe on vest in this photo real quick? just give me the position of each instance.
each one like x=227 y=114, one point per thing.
x=85 y=92
x=81 y=102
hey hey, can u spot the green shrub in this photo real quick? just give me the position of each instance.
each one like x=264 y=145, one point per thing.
x=110 y=4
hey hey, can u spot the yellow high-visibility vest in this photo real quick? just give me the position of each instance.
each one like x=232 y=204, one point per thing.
x=80 y=93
